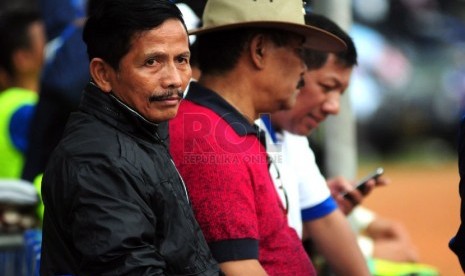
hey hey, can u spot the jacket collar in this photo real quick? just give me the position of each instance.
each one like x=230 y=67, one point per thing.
x=107 y=107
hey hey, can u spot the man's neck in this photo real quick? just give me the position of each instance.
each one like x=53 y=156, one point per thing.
x=27 y=82
x=235 y=91
x=280 y=120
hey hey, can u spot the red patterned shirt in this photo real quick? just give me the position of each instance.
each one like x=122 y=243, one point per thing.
x=225 y=168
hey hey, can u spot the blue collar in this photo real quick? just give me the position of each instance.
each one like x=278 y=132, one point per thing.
x=266 y=119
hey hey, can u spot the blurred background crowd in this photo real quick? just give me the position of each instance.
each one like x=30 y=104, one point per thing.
x=408 y=92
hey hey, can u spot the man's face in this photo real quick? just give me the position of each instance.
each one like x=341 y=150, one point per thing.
x=154 y=73
x=285 y=71
x=33 y=57
x=319 y=98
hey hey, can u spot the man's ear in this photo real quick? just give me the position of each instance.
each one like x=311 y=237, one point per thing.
x=258 y=50
x=101 y=73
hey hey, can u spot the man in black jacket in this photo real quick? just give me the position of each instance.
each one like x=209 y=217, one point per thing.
x=457 y=243
x=114 y=202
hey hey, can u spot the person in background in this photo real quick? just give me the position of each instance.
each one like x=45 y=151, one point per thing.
x=249 y=53
x=192 y=22
x=60 y=86
x=314 y=201
x=313 y=212
x=65 y=74
x=21 y=61
x=114 y=202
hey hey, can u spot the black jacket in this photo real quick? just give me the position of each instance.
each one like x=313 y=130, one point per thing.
x=114 y=202
x=457 y=243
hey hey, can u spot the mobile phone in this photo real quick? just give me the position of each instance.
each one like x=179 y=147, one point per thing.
x=362 y=183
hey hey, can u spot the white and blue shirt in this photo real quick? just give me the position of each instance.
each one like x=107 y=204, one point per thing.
x=308 y=195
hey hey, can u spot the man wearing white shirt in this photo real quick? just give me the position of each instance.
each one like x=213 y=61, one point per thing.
x=312 y=211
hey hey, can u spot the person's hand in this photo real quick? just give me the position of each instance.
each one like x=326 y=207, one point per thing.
x=391 y=241
x=340 y=185
x=354 y=197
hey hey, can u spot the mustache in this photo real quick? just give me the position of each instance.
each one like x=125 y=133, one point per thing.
x=301 y=83
x=166 y=95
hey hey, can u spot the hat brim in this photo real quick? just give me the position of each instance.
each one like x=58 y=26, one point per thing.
x=315 y=38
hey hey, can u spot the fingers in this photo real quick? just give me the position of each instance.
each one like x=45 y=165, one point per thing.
x=355 y=197
x=382 y=181
x=350 y=198
x=349 y=201
x=347 y=197
x=339 y=185
x=368 y=187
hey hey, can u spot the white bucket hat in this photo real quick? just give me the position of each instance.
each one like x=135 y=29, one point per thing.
x=285 y=15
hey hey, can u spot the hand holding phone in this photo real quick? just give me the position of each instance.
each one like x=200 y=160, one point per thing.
x=362 y=183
